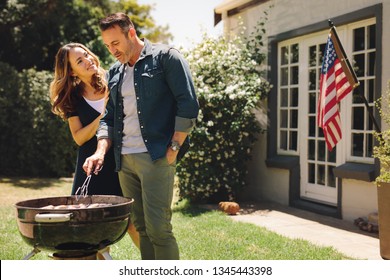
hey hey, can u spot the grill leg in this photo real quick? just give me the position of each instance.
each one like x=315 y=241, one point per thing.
x=105 y=253
x=31 y=254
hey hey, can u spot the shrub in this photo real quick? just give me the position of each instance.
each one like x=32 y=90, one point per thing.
x=382 y=150
x=9 y=86
x=34 y=141
x=229 y=85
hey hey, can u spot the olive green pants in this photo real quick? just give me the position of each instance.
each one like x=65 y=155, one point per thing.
x=150 y=184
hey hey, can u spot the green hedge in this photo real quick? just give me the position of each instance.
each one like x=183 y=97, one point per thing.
x=33 y=141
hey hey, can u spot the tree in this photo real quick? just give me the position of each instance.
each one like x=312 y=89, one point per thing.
x=33 y=30
x=37 y=28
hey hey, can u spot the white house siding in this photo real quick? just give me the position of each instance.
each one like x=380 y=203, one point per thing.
x=358 y=198
x=266 y=183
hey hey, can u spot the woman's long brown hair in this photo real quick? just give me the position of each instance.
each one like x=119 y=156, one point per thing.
x=63 y=93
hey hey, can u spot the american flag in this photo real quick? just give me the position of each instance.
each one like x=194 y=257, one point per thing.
x=337 y=80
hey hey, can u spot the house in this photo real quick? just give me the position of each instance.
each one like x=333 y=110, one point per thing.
x=291 y=164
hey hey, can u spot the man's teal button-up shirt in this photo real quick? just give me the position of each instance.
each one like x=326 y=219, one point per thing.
x=166 y=100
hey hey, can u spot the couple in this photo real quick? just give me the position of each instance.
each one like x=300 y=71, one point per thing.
x=133 y=120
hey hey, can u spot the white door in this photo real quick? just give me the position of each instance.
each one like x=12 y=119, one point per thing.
x=317 y=180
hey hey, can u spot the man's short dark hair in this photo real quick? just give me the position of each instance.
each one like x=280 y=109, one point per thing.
x=120 y=19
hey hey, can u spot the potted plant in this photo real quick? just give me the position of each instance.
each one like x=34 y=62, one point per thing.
x=382 y=152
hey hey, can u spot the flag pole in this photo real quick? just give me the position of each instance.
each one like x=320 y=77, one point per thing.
x=378 y=130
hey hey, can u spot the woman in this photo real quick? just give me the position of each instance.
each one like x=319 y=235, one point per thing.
x=79 y=94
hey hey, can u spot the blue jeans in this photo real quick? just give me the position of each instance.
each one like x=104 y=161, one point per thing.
x=150 y=184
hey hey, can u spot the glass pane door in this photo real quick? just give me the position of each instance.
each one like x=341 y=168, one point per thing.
x=317 y=163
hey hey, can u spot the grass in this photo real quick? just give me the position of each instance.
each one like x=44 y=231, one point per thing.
x=201 y=234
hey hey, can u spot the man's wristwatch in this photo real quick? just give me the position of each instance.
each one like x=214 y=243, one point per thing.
x=175 y=146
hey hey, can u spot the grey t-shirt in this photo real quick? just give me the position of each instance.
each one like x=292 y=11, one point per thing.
x=132 y=141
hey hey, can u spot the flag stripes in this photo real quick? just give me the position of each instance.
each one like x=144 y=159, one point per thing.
x=337 y=81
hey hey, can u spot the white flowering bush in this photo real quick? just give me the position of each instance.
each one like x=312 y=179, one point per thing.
x=229 y=86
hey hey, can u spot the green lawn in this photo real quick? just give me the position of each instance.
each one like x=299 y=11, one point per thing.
x=201 y=234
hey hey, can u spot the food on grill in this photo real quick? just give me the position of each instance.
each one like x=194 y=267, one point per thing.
x=77 y=206
x=73 y=232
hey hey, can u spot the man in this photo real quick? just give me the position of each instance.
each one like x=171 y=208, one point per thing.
x=151 y=110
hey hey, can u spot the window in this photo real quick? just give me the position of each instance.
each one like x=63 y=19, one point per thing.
x=299 y=62
x=288 y=98
x=363 y=61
